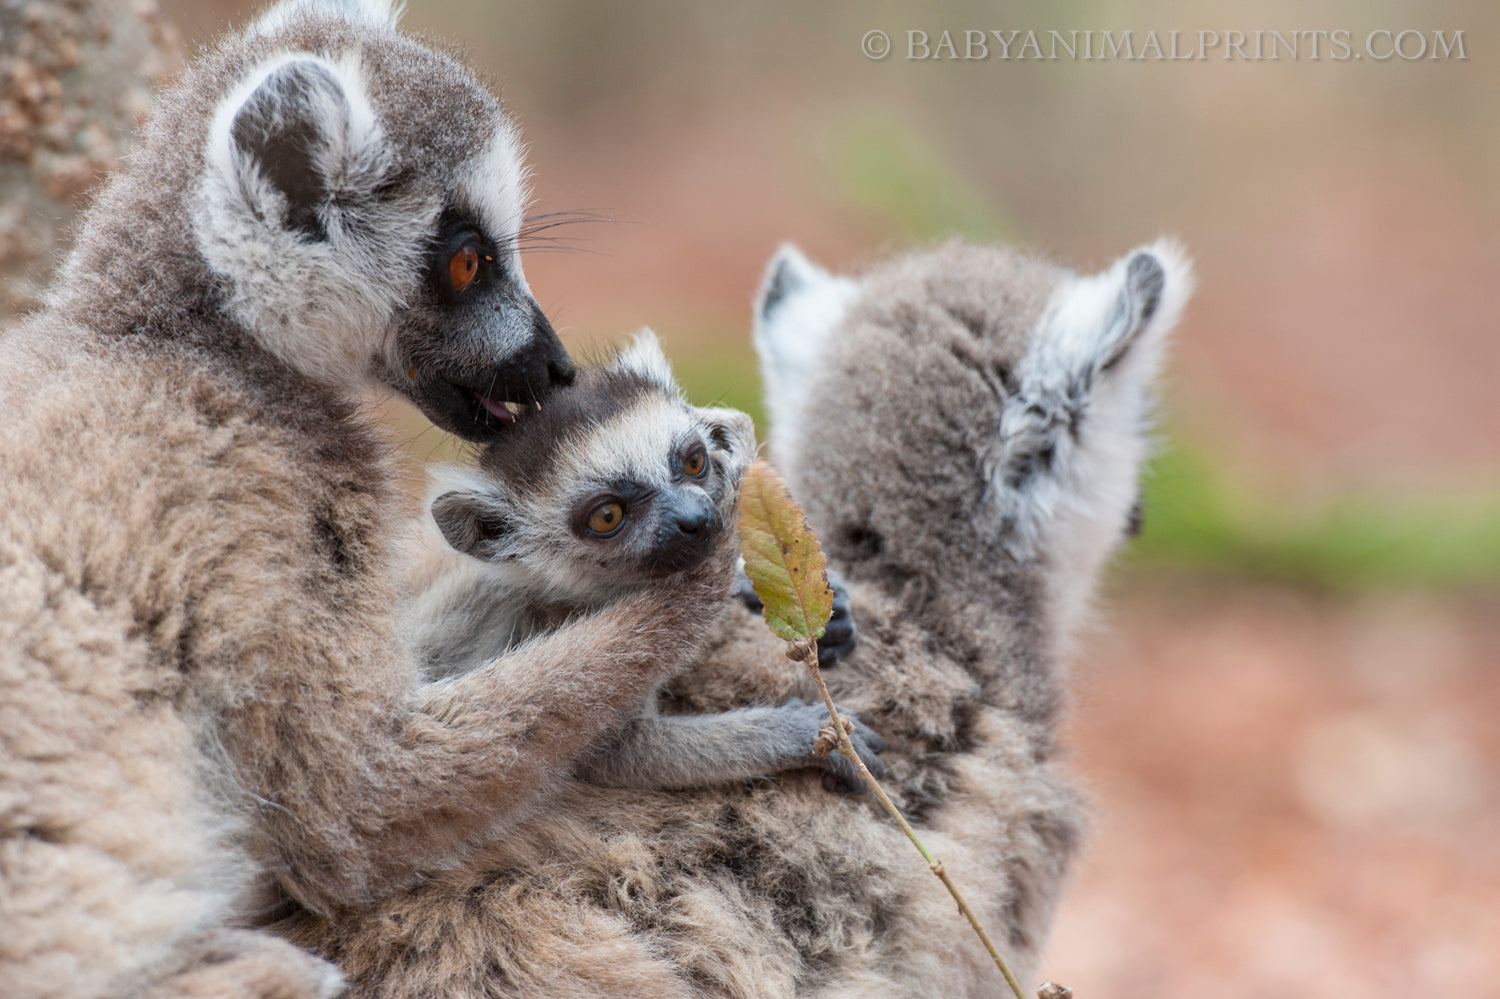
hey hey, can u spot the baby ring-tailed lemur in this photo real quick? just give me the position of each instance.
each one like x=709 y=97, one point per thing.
x=616 y=484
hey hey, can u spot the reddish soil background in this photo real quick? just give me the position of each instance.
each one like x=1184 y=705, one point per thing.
x=1293 y=794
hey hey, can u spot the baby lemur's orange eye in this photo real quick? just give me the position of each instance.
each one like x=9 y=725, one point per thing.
x=694 y=463
x=463 y=267
x=607 y=518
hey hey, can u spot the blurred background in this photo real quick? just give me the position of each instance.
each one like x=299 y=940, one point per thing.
x=1286 y=717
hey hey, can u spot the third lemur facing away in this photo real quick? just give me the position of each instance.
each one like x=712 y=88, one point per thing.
x=616 y=484
x=965 y=428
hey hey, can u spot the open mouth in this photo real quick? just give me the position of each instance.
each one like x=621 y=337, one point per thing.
x=479 y=405
x=504 y=411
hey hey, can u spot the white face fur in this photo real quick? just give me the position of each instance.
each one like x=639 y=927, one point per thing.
x=1090 y=360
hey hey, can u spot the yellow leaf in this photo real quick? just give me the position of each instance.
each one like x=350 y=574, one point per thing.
x=782 y=557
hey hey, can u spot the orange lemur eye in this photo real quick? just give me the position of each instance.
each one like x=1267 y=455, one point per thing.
x=463 y=267
x=694 y=463
x=607 y=518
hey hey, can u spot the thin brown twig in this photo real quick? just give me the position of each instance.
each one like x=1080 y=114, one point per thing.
x=847 y=749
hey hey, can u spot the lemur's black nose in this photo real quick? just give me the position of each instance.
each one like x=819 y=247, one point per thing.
x=693 y=519
x=562 y=370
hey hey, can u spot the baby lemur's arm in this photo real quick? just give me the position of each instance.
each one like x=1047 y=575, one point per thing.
x=677 y=752
x=462 y=618
x=457 y=618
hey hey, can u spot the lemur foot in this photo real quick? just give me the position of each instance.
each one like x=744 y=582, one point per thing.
x=839 y=638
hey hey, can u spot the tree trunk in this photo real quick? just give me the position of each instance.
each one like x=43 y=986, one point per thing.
x=75 y=78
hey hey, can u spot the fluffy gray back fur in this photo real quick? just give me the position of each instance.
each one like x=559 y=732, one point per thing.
x=988 y=422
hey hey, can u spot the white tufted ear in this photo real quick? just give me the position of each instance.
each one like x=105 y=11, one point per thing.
x=644 y=357
x=292 y=136
x=475 y=515
x=1074 y=433
x=730 y=432
x=289 y=209
x=798 y=307
x=376 y=13
x=1098 y=322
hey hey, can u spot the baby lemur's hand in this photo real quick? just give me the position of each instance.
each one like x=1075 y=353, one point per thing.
x=839 y=638
x=839 y=775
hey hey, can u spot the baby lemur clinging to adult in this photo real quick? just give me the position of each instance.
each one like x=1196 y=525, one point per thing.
x=616 y=484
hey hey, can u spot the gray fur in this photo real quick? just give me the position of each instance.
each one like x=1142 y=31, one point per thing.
x=968 y=582
x=678 y=752
x=623 y=422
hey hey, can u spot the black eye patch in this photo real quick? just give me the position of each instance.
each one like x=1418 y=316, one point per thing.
x=690 y=458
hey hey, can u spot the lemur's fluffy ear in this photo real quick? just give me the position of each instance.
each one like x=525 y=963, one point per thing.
x=788 y=273
x=729 y=430
x=645 y=358
x=1074 y=430
x=377 y=13
x=799 y=306
x=296 y=134
x=1095 y=323
x=476 y=522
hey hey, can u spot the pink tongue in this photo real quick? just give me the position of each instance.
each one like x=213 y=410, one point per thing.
x=496 y=410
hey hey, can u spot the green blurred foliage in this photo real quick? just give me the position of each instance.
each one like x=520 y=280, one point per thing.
x=725 y=376
x=1196 y=516
x=901 y=183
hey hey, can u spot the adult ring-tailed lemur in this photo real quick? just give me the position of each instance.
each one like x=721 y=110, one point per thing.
x=205 y=698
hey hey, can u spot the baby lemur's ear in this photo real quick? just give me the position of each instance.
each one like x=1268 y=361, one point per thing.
x=730 y=431
x=799 y=306
x=1092 y=357
x=645 y=358
x=476 y=522
x=293 y=137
